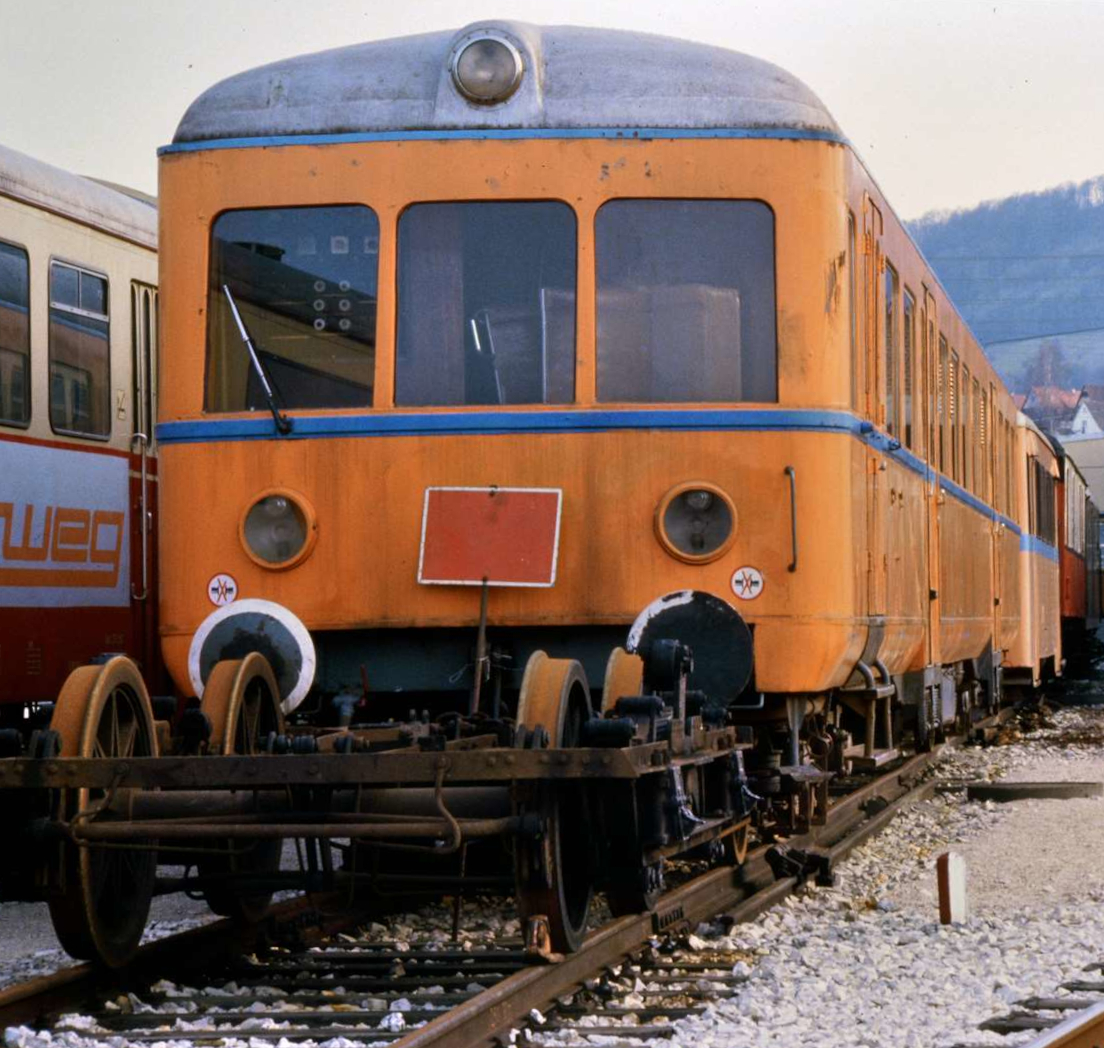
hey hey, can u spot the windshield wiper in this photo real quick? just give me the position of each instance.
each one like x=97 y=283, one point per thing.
x=283 y=423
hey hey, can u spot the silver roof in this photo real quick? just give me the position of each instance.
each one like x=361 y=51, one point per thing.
x=81 y=199
x=574 y=78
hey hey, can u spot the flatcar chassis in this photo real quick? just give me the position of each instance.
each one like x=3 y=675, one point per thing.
x=90 y=822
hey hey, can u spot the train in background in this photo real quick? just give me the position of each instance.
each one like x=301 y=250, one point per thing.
x=611 y=468
x=78 y=475
x=1078 y=525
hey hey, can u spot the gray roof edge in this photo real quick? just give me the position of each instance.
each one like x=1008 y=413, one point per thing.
x=83 y=200
x=574 y=77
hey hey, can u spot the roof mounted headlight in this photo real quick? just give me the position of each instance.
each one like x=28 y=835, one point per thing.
x=486 y=69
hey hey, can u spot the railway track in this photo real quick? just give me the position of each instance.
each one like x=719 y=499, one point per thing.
x=1073 y=1017
x=346 y=986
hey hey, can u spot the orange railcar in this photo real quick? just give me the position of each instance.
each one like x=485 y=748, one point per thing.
x=863 y=442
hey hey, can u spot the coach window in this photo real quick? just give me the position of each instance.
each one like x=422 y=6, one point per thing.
x=965 y=431
x=303 y=280
x=908 y=352
x=80 y=357
x=978 y=419
x=686 y=301
x=892 y=289
x=944 y=377
x=853 y=307
x=486 y=304
x=15 y=336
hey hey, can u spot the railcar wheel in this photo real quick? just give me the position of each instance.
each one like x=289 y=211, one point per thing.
x=735 y=844
x=242 y=701
x=103 y=711
x=624 y=676
x=554 y=872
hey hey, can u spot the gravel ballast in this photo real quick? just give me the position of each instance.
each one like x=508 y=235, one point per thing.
x=866 y=963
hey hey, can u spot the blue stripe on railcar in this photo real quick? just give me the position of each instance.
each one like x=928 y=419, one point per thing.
x=482 y=423
x=642 y=134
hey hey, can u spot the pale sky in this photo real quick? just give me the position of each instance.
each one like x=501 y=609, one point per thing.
x=950 y=102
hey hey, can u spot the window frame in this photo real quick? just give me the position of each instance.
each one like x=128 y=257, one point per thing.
x=891 y=311
x=209 y=255
x=777 y=399
x=908 y=364
x=391 y=394
x=853 y=307
x=11 y=423
x=56 y=260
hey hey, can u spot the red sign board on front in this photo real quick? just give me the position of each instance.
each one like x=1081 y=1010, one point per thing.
x=506 y=536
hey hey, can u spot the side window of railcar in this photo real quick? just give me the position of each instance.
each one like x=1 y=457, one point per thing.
x=852 y=304
x=15 y=336
x=908 y=350
x=80 y=355
x=304 y=282
x=965 y=431
x=486 y=311
x=686 y=301
x=892 y=290
x=943 y=375
x=1045 y=516
x=143 y=341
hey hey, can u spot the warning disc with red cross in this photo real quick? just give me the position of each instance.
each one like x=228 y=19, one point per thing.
x=222 y=589
x=747 y=582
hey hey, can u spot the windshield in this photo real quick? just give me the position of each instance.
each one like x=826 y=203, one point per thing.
x=486 y=304
x=686 y=301
x=304 y=280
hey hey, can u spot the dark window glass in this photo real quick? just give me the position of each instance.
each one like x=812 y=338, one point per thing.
x=304 y=280
x=93 y=293
x=15 y=336
x=853 y=309
x=891 y=294
x=65 y=286
x=909 y=353
x=686 y=301
x=80 y=357
x=486 y=304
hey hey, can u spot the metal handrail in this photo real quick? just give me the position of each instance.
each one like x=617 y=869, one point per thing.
x=792 y=474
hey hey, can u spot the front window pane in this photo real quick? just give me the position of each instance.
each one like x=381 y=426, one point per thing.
x=304 y=281
x=15 y=336
x=486 y=304
x=80 y=358
x=686 y=301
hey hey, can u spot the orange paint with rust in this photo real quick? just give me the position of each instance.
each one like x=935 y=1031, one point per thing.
x=864 y=518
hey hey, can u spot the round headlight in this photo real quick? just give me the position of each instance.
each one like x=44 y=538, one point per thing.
x=696 y=522
x=277 y=530
x=487 y=70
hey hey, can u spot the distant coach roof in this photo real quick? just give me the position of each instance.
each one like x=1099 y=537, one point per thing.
x=571 y=78
x=81 y=199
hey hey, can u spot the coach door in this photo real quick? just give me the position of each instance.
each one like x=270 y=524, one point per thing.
x=991 y=436
x=877 y=489
x=143 y=331
x=933 y=398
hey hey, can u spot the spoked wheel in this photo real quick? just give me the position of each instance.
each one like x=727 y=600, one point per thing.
x=242 y=700
x=101 y=911
x=554 y=872
x=735 y=844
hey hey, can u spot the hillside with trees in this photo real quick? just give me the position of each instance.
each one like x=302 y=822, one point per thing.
x=1027 y=272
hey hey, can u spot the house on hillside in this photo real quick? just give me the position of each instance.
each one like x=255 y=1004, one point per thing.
x=1076 y=419
x=1053 y=410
